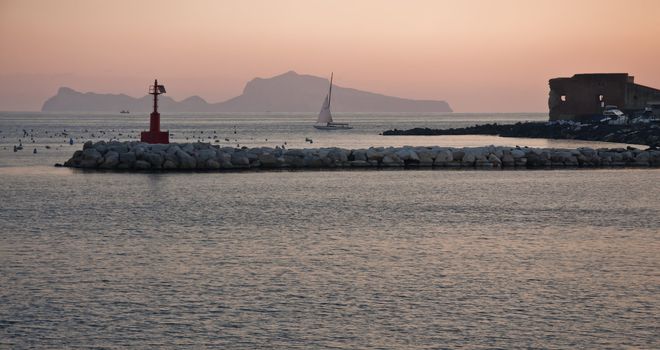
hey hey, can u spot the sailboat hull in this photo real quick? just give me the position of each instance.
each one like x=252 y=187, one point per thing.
x=338 y=126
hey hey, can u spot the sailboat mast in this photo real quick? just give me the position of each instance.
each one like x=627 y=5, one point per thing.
x=330 y=92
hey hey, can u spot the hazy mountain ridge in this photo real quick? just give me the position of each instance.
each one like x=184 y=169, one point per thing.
x=288 y=92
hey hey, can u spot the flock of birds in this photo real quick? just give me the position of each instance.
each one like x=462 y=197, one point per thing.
x=115 y=135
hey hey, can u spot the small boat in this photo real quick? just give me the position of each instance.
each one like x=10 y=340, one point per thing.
x=324 y=121
x=613 y=116
x=124 y=111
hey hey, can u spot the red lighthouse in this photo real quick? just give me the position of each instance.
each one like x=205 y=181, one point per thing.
x=154 y=135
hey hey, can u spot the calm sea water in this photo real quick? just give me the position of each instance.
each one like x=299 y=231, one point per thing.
x=320 y=259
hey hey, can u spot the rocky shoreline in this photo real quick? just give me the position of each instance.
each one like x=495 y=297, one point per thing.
x=137 y=156
x=639 y=133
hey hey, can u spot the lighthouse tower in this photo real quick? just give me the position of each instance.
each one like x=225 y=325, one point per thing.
x=154 y=135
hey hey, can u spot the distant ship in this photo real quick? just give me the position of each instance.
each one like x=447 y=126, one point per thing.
x=324 y=122
x=124 y=111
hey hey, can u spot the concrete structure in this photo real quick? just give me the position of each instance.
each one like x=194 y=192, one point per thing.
x=584 y=96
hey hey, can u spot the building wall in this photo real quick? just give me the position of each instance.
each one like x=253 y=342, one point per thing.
x=585 y=95
x=638 y=96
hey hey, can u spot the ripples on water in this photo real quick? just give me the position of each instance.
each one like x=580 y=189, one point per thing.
x=329 y=259
x=373 y=259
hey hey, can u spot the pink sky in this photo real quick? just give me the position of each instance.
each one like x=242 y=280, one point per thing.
x=480 y=56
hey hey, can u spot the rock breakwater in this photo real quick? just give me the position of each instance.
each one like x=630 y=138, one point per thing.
x=638 y=133
x=204 y=156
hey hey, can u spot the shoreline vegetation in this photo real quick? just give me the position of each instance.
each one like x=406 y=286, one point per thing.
x=638 y=133
x=137 y=156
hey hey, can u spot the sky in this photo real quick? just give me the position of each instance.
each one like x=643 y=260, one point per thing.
x=479 y=55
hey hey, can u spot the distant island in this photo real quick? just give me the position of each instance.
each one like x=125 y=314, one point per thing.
x=288 y=92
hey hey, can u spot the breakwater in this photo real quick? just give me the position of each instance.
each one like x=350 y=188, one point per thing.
x=637 y=133
x=204 y=156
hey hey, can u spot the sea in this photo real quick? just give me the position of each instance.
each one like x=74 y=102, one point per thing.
x=350 y=259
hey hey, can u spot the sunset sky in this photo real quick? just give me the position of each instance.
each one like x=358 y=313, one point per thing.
x=480 y=56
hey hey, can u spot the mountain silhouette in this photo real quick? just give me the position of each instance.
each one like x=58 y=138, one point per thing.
x=288 y=92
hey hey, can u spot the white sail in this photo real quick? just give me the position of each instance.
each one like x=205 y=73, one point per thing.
x=325 y=117
x=324 y=114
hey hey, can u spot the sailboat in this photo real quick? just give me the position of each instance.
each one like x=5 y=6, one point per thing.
x=324 y=122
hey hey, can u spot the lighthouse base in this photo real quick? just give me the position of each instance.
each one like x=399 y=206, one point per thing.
x=162 y=137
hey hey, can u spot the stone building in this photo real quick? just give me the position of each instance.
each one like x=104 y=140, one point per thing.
x=583 y=96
